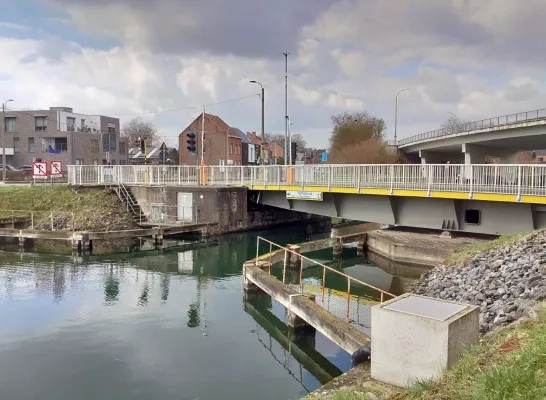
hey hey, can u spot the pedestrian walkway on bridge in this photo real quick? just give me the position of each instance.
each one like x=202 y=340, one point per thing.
x=488 y=182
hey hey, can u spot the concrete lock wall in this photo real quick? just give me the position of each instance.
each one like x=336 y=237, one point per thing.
x=417 y=337
x=226 y=206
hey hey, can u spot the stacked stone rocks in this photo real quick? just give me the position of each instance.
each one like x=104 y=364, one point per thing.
x=506 y=282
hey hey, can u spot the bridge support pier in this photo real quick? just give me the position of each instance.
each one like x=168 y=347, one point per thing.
x=297 y=327
x=360 y=247
x=157 y=237
x=294 y=260
x=337 y=249
x=82 y=244
x=249 y=286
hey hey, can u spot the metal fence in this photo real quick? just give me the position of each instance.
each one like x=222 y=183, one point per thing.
x=489 y=178
x=527 y=116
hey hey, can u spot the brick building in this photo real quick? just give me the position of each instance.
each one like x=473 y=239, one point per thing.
x=221 y=143
x=61 y=134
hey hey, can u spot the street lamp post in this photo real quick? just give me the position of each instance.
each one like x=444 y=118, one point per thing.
x=263 y=122
x=4 y=140
x=396 y=117
x=286 y=107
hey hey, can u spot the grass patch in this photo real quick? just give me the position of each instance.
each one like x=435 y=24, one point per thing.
x=461 y=256
x=90 y=207
x=510 y=364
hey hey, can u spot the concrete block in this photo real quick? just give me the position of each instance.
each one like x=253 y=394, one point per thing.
x=417 y=337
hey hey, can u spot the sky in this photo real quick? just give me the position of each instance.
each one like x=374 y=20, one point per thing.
x=163 y=60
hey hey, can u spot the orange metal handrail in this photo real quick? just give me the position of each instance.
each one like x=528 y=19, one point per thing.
x=325 y=267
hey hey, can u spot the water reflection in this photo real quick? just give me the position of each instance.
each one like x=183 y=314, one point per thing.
x=129 y=322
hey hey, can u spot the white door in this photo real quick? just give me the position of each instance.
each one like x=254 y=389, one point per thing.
x=185 y=206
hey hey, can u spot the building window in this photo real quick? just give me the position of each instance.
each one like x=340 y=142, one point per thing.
x=16 y=145
x=9 y=124
x=122 y=162
x=109 y=142
x=111 y=127
x=95 y=145
x=80 y=161
x=122 y=148
x=31 y=145
x=231 y=148
x=40 y=124
x=70 y=124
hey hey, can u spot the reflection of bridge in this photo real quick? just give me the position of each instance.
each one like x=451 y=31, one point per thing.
x=494 y=199
x=309 y=359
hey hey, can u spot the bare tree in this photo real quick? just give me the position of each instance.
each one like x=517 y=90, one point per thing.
x=279 y=139
x=455 y=125
x=368 y=151
x=137 y=128
x=352 y=128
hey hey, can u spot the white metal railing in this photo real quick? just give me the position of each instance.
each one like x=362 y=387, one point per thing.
x=491 y=178
x=517 y=118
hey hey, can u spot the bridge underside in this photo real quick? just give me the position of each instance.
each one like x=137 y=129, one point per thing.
x=473 y=216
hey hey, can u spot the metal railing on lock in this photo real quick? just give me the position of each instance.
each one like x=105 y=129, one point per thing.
x=350 y=280
x=517 y=179
x=39 y=220
x=510 y=119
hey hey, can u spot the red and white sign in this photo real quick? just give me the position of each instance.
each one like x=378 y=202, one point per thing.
x=56 y=168
x=39 y=169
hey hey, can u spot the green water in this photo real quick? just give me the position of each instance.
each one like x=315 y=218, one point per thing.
x=152 y=326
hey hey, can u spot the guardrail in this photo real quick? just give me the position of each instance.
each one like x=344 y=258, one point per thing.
x=350 y=280
x=516 y=179
x=40 y=220
x=527 y=116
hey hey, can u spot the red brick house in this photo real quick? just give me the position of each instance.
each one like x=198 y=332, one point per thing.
x=220 y=142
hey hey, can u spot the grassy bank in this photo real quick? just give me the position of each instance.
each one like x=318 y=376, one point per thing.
x=509 y=364
x=461 y=256
x=88 y=209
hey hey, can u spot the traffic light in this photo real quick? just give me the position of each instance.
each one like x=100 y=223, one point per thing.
x=192 y=142
x=141 y=143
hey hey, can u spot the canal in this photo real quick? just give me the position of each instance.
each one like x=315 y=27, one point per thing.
x=158 y=325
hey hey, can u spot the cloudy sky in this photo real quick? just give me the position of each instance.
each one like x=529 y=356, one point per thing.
x=474 y=58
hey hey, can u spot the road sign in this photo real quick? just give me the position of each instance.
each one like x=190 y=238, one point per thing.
x=39 y=169
x=303 y=195
x=56 y=168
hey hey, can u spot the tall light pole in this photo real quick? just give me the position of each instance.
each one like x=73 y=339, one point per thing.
x=286 y=106
x=263 y=123
x=4 y=140
x=396 y=117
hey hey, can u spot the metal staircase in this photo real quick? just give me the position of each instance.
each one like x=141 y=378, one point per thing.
x=131 y=204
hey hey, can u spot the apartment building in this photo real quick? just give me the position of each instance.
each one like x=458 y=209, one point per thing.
x=61 y=134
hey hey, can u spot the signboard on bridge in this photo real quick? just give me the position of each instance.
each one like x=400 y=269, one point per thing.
x=303 y=195
x=56 y=168
x=39 y=169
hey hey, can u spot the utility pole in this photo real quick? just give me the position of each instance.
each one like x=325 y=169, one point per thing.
x=286 y=107
x=4 y=167
x=263 y=123
x=203 y=138
x=396 y=116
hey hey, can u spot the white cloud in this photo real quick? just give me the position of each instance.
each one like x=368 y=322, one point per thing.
x=472 y=58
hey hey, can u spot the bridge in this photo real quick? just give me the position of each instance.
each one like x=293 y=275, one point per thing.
x=489 y=199
x=470 y=142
